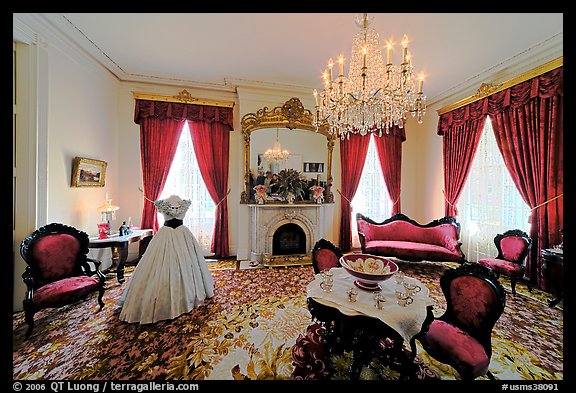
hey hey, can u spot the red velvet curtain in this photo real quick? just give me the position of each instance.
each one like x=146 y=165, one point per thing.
x=352 y=156
x=528 y=126
x=158 y=143
x=211 y=146
x=389 y=148
x=459 y=148
x=160 y=125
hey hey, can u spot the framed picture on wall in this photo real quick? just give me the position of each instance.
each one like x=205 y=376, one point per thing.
x=314 y=167
x=87 y=172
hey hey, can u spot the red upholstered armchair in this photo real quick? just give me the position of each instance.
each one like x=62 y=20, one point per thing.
x=58 y=271
x=462 y=336
x=513 y=247
x=325 y=255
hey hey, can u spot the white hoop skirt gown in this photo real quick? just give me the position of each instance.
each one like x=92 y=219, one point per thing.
x=171 y=278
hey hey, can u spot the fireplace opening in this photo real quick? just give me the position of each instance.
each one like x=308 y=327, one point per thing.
x=289 y=239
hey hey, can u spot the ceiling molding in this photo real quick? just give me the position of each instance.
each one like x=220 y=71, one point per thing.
x=486 y=89
x=136 y=78
x=269 y=86
x=536 y=55
x=89 y=48
x=47 y=34
x=530 y=58
x=22 y=32
x=278 y=96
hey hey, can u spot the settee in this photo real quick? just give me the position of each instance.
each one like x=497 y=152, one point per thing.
x=404 y=238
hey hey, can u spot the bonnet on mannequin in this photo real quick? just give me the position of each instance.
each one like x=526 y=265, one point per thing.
x=174 y=200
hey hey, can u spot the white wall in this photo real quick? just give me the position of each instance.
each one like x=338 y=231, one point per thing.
x=422 y=170
x=81 y=120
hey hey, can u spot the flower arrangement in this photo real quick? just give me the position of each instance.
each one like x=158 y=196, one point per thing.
x=260 y=193
x=291 y=184
x=317 y=193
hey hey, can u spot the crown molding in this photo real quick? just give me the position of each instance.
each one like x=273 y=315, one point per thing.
x=21 y=32
x=81 y=43
x=487 y=89
x=46 y=34
x=269 y=87
x=530 y=58
x=525 y=61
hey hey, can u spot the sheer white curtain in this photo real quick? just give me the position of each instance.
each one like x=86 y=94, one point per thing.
x=185 y=180
x=490 y=203
x=372 y=197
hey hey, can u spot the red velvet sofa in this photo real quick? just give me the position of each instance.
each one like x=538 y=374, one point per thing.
x=402 y=237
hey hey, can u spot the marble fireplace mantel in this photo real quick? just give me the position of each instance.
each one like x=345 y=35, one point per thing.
x=266 y=219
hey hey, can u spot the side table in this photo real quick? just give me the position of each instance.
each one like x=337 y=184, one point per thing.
x=121 y=244
x=552 y=267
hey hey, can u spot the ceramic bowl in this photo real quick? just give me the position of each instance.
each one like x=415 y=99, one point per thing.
x=369 y=270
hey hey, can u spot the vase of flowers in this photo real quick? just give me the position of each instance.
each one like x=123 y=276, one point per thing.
x=260 y=193
x=317 y=193
x=291 y=185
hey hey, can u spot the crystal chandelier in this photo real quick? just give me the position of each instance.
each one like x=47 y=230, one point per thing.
x=376 y=95
x=276 y=154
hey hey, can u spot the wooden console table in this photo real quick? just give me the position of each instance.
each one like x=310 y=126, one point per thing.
x=552 y=266
x=121 y=243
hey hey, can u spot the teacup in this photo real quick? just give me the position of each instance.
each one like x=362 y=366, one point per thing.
x=379 y=301
x=404 y=298
x=399 y=277
x=327 y=280
x=352 y=295
x=412 y=288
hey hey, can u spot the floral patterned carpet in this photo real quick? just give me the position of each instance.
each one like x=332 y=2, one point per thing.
x=250 y=329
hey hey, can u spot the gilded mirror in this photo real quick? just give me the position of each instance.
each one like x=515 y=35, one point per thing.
x=291 y=120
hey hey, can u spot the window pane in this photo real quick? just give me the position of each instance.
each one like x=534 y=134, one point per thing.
x=372 y=198
x=490 y=203
x=186 y=181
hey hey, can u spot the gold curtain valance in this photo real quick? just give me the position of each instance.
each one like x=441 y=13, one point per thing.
x=487 y=89
x=182 y=107
x=183 y=97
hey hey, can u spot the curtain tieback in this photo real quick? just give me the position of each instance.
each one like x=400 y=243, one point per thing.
x=224 y=197
x=542 y=204
x=340 y=192
x=547 y=202
x=396 y=201
x=450 y=203
x=145 y=197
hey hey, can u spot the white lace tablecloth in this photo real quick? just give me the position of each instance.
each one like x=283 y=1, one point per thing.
x=407 y=321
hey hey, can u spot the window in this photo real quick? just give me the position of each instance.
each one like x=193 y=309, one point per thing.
x=185 y=180
x=372 y=198
x=490 y=203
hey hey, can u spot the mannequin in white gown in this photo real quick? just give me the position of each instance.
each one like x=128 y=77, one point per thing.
x=172 y=276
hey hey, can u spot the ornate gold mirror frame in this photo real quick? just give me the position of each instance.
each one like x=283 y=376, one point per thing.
x=291 y=115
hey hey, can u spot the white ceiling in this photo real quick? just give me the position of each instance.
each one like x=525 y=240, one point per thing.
x=224 y=50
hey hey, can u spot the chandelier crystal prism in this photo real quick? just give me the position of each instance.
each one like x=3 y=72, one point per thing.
x=375 y=95
x=276 y=153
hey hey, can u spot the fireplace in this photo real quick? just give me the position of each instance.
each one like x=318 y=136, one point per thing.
x=283 y=231
x=289 y=239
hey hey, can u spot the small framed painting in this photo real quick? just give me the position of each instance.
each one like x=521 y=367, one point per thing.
x=87 y=172
x=314 y=167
